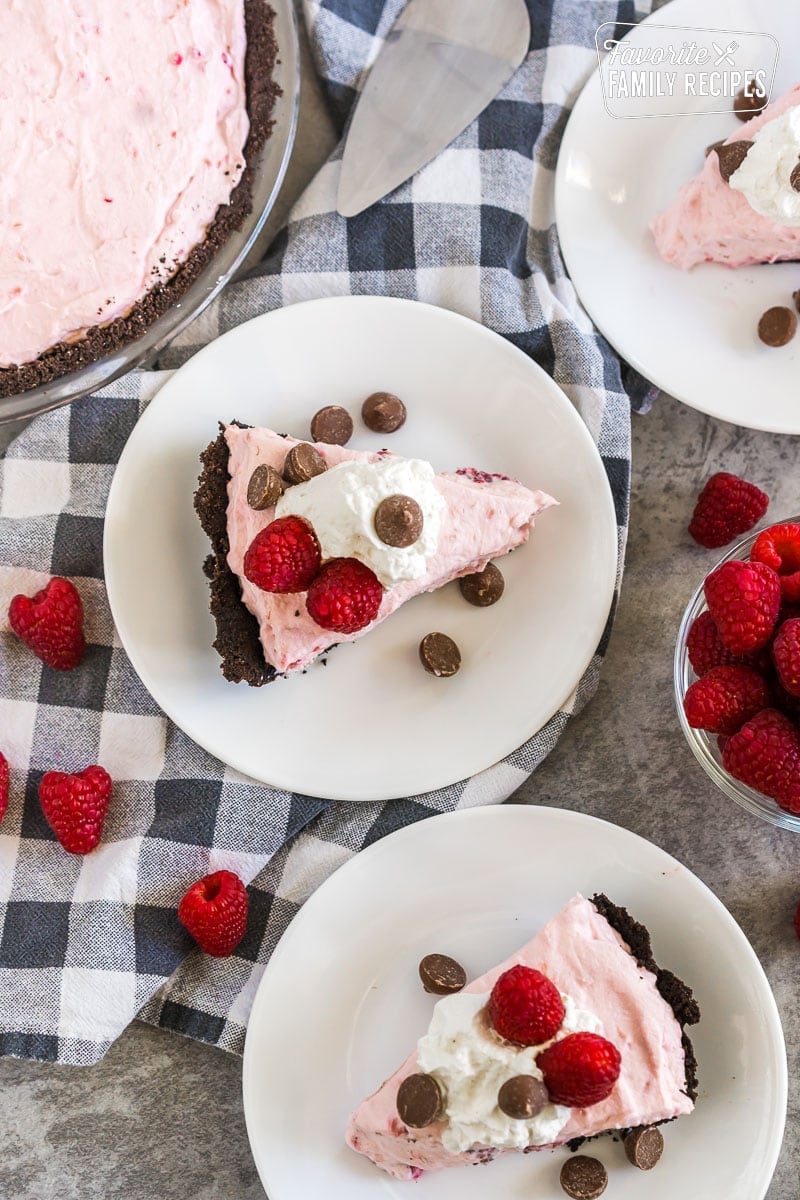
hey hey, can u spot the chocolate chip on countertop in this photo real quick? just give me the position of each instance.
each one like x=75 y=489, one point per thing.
x=584 y=1178
x=713 y=146
x=265 y=487
x=794 y=178
x=778 y=326
x=398 y=521
x=484 y=587
x=383 y=412
x=644 y=1147
x=522 y=1097
x=748 y=102
x=333 y=425
x=419 y=1101
x=731 y=155
x=303 y=462
x=439 y=655
x=441 y=975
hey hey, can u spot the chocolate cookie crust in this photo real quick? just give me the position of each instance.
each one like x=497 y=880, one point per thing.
x=677 y=994
x=237 y=641
x=100 y=340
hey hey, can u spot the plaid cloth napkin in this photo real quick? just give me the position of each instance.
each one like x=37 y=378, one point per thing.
x=86 y=944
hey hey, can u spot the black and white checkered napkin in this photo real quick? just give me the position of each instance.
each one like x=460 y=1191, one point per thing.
x=86 y=944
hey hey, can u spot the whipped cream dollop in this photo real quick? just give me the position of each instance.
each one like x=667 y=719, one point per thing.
x=764 y=178
x=340 y=504
x=472 y=1062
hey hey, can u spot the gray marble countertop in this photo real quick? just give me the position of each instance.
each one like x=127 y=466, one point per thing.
x=162 y=1117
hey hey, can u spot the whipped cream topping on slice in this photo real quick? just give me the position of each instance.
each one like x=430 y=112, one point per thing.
x=472 y=1063
x=121 y=132
x=340 y=505
x=764 y=178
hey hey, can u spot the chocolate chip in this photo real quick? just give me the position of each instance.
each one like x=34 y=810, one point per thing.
x=303 y=462
x=383 y=412
x=778 y=326
x=439 y=654
x=748 y=103
x=265 y=487
x=713 y=146
x=419 y=1101
x=731 y=155
x=583 y=1178
x=484 y=587
x=794 y=178
x=441 y=974
x=644 y=1147
x=522 y=1097
x=796 y=298
x=333 y=425
x=398 y=521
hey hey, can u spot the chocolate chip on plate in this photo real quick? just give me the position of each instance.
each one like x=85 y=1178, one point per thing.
x=796 y=298
x=584 y=1178
x=439 y=655
x=778 y=326
x=794 y=178
x=644 y=1147
x=333 y=425
x=398 y=521
x=383 y=412
x=731 y=155
x=484 y=587
x=522 y=1097
x=419 y=1101
x=713 y=146
x=265 y=487
x=441 y=975
x=303 y=462
x=748 y=102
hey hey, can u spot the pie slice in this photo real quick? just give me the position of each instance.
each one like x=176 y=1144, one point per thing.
x=601 y=960
x=472 y=517
x=714 y=220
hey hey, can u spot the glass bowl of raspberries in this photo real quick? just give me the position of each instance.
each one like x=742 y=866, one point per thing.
x=737 y=673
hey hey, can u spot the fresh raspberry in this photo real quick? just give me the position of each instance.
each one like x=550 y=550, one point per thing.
x=214 y=910
x=51 y=624
x=580 y=1069
x=525 y=1007
x=725 y=698
x=283 y=557
x=345 y=596
x=779 y=548
x=744 y=599
x=726 y=507
x=704 y=646
x=75 y=806
x=786 y=655
x=3 y=785
x=765 y=754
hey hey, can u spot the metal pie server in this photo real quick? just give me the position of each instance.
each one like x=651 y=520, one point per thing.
x=442 y=63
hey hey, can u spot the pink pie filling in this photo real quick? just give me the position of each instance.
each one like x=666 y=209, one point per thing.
x=588 y=960
x=710 y=221
x=121 y=132
x=485 y=517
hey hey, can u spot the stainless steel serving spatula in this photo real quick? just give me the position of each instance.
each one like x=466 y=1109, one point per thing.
x=441 y=64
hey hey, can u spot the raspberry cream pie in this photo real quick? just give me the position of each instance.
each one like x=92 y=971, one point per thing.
x=314 y=544
x=127 y=140
x=578 y=1033
x=744 y=206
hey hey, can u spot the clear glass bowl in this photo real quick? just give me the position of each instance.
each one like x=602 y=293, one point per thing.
x=704 y=745
x=269 y=173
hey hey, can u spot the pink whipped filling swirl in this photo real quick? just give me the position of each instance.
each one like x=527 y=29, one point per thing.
x=121 y=132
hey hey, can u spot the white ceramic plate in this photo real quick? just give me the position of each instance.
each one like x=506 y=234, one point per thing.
x=372 y=724
x=691 y=333
x=340 y=1004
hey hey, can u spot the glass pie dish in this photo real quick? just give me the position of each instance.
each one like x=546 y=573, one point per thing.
x=704 y=745
x=270 y=168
